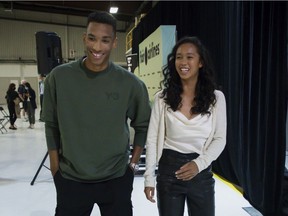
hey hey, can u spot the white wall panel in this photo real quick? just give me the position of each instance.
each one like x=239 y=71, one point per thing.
x=17 y=40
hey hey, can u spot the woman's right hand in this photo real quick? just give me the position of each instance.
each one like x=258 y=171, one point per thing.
x=149 y=192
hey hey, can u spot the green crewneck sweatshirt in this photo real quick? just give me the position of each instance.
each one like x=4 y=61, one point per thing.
x=86 y=116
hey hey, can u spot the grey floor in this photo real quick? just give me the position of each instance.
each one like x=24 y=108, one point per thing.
x=21 y=154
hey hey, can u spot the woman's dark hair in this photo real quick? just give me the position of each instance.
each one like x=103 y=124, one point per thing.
x=205 y=86
x=11 y=87
x=27 y=84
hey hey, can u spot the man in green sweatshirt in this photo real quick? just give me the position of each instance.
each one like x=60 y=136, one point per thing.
x=86 y=107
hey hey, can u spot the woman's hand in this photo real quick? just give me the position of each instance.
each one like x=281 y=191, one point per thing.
x=149 y=192
x=187 y=171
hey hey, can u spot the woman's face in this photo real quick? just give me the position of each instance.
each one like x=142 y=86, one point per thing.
x=187 y=61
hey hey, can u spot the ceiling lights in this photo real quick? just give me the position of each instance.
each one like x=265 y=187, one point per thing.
x=113 y=10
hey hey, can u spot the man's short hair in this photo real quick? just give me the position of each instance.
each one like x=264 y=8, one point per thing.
x=102 y=17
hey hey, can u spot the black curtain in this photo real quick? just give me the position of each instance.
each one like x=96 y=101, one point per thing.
x=248 y=43
x=255 y=84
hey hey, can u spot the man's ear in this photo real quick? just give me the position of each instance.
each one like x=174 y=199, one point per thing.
x=115 y=42
x=84 y=36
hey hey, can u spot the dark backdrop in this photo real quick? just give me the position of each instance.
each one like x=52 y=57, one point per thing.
x=248 y=44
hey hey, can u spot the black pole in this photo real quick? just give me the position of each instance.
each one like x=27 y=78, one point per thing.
x=42 y=164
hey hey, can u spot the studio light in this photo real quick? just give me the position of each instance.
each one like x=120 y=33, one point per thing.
x=113 y=10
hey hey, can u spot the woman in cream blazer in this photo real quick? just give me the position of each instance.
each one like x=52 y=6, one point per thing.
x=187 y=131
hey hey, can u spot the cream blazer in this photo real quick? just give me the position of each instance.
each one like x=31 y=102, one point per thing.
x=156 y=135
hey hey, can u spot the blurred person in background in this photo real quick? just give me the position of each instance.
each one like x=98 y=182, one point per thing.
x=41 y=91
x=22 y=94
x=31 y=104
x=11 y=97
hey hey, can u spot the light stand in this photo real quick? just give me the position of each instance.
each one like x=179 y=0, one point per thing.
x=42 y=164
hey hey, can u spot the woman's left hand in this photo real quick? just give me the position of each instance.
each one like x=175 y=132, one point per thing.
x=187 y=171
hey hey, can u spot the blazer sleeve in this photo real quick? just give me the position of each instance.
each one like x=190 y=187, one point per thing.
x=217 y=140
x=152 y=142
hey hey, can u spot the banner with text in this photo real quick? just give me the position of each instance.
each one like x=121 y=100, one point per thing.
x=153 y=52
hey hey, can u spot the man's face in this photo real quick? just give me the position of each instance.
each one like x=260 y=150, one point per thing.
x=99 y=40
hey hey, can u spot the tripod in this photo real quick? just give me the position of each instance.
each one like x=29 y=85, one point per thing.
x=42 y=164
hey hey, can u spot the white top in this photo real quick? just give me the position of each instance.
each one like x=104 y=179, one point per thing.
x=211 y=150
x=41 y=87
x=186 y=135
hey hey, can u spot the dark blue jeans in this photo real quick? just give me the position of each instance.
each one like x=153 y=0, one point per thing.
x=172 y=193
x=77 y=199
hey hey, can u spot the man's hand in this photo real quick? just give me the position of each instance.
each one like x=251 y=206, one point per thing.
x=54 y=161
